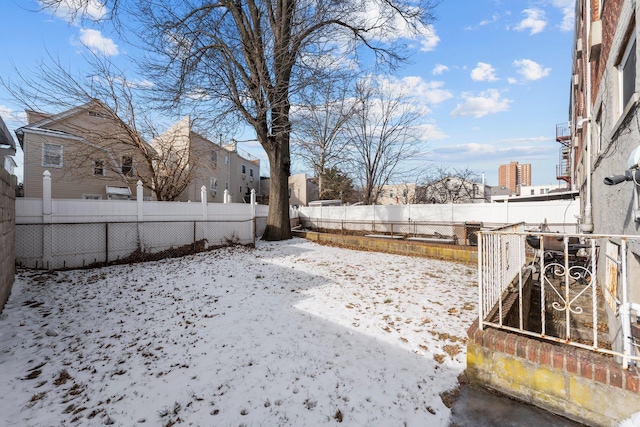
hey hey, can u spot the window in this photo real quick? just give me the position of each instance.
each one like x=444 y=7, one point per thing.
x=213 y=182
x=98 y=167
x=627 y=74
x=241 y=189
x=391 y=193
x=127 y=165
x=533 y=192
x=599 y=137
x=226 y=185
x=250 y=172
x=226 y=159
x=244 y=169
x=52 y=155
x=214 y=158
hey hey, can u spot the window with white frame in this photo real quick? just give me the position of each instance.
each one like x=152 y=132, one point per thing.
x=226 y=185
x=226 y=159
x=127 y=165
x=214 y=157
x=627 y=74
x=98 y=168
x=213 y=183
x=250 y=172
x=52 y=155
x=244 y=169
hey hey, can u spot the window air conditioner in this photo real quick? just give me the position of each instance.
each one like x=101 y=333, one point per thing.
x=595 y=40
x=214 y=192
x=579 y=48
x=244 y=176
x=251 y=179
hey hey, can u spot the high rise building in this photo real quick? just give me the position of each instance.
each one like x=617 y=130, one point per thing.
x=513 y=175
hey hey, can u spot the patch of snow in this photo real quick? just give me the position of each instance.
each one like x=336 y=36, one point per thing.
x=288 y=333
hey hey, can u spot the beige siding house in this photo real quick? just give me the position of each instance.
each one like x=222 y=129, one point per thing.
x=87 y=150
x=216 y=166
x=92 y=154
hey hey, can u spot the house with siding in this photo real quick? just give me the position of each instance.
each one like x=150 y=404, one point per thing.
x=89 y=152
x=92 y=154
x=215 y=165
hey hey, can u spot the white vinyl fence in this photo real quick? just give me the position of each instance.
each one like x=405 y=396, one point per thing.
x=56 y=234
x=559 y=212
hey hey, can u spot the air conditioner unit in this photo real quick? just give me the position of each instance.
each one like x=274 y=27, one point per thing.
x=244 y=176
x=251 y=179
x=214 y=192
x=595 y=40
x=579 y=48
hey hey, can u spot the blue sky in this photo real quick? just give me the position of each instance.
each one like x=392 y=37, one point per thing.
x=493 y=76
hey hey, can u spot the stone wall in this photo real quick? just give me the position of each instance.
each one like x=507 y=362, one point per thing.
x=7 y=235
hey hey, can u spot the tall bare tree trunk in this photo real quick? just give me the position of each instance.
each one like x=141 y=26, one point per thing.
x=278 y=222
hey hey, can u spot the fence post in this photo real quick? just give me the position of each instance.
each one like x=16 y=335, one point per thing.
x=253 y=215
x=226 y=196
x=203 y=199
x=47 y=211
x=480 y=279
x=139 y=200
x=46 y=197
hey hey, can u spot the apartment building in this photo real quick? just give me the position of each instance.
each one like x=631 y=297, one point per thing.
x=513 y=175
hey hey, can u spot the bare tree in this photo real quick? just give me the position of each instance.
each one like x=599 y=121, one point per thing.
x=382 y=135
x=446 y=185
x=166 y=166
x=319 y=134
x=250 y=58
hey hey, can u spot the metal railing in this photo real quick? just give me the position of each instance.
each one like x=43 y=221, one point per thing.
x=559 y=287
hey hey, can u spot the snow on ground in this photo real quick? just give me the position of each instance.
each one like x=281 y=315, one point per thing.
x=287 y=334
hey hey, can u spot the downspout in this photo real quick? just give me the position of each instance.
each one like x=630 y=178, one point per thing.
x=587 y=224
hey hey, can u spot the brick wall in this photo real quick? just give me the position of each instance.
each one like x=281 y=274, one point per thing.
x=579 y=384
x=7 y=235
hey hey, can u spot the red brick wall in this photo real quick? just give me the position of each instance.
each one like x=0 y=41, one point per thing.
x=588 y=364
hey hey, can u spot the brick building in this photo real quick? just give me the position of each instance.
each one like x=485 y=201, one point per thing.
x=513 y=175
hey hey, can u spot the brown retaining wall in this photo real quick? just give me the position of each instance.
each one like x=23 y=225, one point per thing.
x=464 y=254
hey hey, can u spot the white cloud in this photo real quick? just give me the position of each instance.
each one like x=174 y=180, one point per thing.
x=431 y=132
x=567 y=7
x=72 y=10
x=13 y=118
x=494 y=18
x=386 y=24
x=535 y=21
x=439 y=69
x=487 y=102
x=430 y=39
x=483 y=73
x=428 y=93
x=512 y=80
x=95 y=41
x=531 y=70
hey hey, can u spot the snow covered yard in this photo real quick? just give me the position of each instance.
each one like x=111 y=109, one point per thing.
x=289 y=333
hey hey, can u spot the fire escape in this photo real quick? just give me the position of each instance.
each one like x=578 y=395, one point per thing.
x=563 y=169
